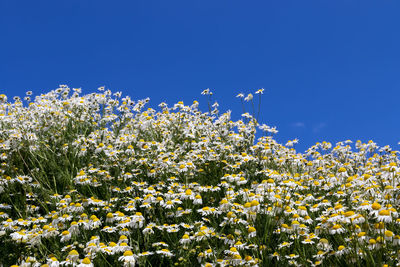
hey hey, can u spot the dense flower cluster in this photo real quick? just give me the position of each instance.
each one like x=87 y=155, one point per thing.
x=99 y=180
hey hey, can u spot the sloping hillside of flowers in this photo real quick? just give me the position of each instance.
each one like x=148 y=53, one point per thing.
x=102 y=180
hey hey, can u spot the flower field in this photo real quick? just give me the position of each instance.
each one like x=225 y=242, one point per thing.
x=102 y=180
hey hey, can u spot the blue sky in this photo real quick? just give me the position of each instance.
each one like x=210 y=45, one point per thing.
x=330 y=69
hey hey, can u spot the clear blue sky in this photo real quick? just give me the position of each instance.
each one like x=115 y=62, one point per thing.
x=330 y=69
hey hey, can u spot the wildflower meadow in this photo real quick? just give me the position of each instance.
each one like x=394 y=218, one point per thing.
x=103 y=180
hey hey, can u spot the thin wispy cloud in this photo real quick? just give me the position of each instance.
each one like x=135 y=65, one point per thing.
x=299 y=124
x=318 y=127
